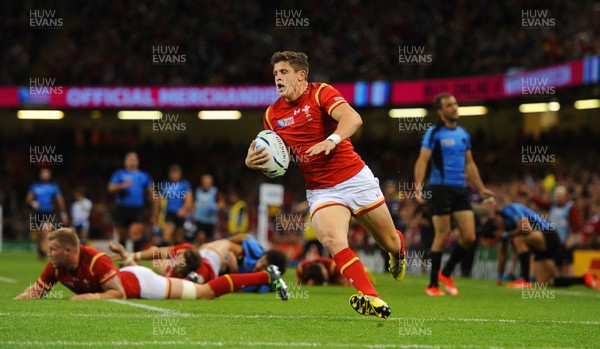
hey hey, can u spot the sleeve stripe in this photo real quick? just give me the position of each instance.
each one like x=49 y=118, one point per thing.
x=94 y=262
x=268 y=118
x=109 y=276
x=318 y=94
x=334 y=105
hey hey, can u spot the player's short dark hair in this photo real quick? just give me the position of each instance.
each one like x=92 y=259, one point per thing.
x=298 y=60
x=314 y=272
x=175 y=167
x=437 y=102
x=192 y=260
x=277 y=258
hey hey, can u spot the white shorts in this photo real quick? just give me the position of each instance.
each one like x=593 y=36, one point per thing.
x=213 y=258
x=359 y=194
x=152 y=285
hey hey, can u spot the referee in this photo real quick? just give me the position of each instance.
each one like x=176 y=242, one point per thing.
x=448 y=146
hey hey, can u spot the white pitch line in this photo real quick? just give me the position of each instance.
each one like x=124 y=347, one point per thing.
x=235 y=344
x=292 y=317
x=149 y=307
x=7 y=280
x=558 y=290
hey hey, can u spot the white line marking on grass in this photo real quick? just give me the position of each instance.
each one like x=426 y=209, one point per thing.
x=292 y=317
x=7 y=280
x=558 y=290
x=236 y=344
x=561 y=322
x=149 y=307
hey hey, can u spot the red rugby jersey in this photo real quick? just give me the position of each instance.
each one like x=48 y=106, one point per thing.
x=307 y=121
x=94 y=269
x=205 y=270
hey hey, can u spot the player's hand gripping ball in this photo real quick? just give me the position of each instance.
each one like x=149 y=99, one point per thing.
x=278 y=151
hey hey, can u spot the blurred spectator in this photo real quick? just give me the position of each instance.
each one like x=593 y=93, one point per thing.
x=237 y=222
x=565 y=217
x=112 y=43
x=81 y=209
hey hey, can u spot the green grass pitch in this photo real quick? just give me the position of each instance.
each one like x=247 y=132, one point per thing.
x=483 y=316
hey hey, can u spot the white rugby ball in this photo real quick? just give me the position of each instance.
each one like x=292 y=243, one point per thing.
x=279 y=153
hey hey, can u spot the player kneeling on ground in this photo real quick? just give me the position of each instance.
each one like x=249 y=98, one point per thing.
x=530 y=232
x=91 y=274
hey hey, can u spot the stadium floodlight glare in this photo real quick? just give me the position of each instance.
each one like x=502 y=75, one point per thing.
x=587 y=104
x=539 y=107
x=474 y=110
x=407 y=113
x=554 y=106
x=139 y=115
x=219 y=115
x=40 y=114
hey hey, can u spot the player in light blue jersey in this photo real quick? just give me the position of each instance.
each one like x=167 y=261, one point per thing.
x=531 y=233
x=448 y=147
x=131 y=187
x=41 y=196
x=176 y=193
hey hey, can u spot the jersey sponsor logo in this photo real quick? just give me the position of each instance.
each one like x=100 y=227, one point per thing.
x=448 y=142
x=286 y=122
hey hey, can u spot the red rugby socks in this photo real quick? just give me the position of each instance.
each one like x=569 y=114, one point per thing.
x=354 y=271
x=233 y=282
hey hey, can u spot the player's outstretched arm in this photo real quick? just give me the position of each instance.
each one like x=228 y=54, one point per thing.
x=239 y=238
x=349 y=121
x=35 y=291
x=113 y=289
x=256 y=157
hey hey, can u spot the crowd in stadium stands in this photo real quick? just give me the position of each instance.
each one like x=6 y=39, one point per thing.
x=88 y=160
x=226 y=42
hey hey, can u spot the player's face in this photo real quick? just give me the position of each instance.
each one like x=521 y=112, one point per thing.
x=207 y=181
x=59 y=256
x=174 y=175
x=45 y=175
x=287 y=80
x=449 y=110
x=561 y=195
x=131 y=161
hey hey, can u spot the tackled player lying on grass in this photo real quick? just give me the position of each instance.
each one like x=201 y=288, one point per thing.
x=91 y=274
x=239 y=254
